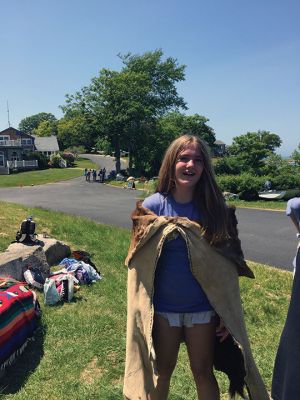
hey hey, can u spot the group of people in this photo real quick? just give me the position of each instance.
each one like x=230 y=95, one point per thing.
x=184 y=262
x=91 y=174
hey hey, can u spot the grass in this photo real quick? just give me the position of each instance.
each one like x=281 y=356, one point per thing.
x=79 y=350
x=81 y=162
x=41 y=177
x=278 y=205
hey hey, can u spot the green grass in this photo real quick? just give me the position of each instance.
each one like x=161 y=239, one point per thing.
x=81 y=162
x=79 y=350
x=41 y=177
x=263 y=204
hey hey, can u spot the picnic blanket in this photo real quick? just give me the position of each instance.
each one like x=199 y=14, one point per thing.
x=18 y=319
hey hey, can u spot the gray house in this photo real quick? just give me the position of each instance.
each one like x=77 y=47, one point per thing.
x=46 y=145
x=14 y=149
x=219 y=148
x=16 y=145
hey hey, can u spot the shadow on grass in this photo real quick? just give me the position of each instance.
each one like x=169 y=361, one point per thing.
x=16 y=375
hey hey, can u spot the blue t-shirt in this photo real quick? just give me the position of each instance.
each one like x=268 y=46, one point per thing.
x=175 y=288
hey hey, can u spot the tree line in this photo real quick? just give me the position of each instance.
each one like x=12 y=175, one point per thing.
x=138 y=109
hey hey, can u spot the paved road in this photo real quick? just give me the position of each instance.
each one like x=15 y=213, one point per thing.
x=105 y=161
x=267 y=236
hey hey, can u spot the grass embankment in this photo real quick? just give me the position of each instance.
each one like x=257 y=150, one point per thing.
x=79 y=351
x=41 y=177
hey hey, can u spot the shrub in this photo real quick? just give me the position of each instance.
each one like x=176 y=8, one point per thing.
x=240 y=183
x=55 y=160
x=70 y=158
x=248 y=194
x=40 y=157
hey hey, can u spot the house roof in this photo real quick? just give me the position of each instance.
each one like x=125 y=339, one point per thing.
x=16 y=132
x=219 y=142
x=48 y=143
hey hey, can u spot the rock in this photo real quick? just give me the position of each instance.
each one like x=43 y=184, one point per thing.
x=16 y=259
x=54 y=249
x=18 y=256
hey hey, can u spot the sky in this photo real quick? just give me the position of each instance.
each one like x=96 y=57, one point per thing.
x=242 y=57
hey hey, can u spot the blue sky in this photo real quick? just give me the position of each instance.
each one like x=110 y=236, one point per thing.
x=242 y=58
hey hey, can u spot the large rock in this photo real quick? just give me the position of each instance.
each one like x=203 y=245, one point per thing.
x=18 y=257
x=55 y=250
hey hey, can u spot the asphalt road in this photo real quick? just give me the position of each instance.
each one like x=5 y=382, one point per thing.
x=267 y=237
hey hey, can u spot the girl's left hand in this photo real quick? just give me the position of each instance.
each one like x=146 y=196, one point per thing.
x=221 y=331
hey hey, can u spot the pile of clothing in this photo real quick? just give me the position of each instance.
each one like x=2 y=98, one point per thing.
x=61 y=284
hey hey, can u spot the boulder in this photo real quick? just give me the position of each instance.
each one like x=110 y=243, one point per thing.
x=18 y=257
x=45 y=253
x=55 y=250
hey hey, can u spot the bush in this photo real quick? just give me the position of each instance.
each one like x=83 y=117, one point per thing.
x=55 y=160
x=248 y=195
x=247 y=185
x=40 y=157
x=240 y=183
x=70 y=158
x=286 y=181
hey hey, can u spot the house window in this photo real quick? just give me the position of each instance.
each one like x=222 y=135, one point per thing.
x=1 y=159
x=3 y=139
x=14 y=156
x=26 y=141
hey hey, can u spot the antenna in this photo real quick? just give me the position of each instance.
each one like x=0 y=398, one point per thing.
x=8 y=114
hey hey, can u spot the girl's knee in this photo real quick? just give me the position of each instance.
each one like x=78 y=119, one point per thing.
x=202 y=373
x=165 y=372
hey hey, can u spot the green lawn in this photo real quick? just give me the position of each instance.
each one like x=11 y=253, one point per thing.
x=80 y=348
x=41 y=177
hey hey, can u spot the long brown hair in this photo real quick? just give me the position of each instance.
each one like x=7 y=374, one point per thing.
x=207 y=195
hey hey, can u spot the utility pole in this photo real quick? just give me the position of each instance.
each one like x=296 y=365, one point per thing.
x=8 y=114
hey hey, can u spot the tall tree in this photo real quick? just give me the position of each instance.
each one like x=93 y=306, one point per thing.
x=28 y=124
x=126 y=103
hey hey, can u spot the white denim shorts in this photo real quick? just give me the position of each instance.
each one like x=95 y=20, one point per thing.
x=187 y=319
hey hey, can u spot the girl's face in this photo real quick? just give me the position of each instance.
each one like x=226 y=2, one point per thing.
x=189 y=167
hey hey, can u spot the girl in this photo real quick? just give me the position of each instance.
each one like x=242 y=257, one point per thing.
x=163 y=271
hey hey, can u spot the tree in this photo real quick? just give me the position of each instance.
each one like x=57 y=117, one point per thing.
x=253 y=148
x=76 y=131
x=188 y=124
x=296 y=155
x=28 y=124
x=124 y=104
x=45 y=128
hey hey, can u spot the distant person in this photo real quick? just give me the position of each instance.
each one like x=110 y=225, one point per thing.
x=103 y=174
x=286 y=382
x=85 y=173
x=88 y=175
x=94 y=172
x=100 y=175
